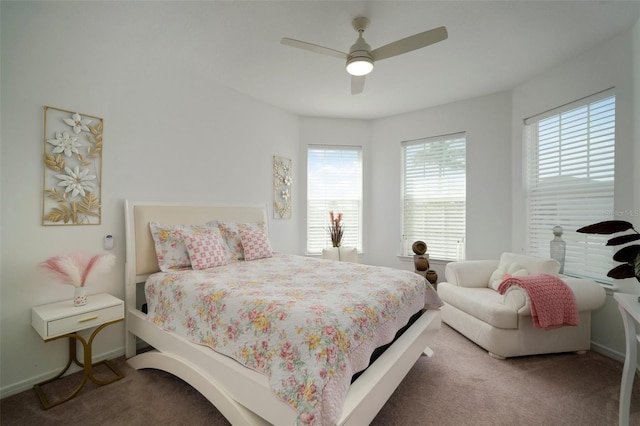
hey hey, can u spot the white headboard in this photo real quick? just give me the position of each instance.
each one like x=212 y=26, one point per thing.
x=141 y=258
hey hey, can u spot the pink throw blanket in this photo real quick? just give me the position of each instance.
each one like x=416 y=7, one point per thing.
x=553 y=304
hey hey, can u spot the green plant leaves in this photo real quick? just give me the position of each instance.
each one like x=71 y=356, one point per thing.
x=629 y=255
x=623 y=239
x=621 y=271
x=607 y=227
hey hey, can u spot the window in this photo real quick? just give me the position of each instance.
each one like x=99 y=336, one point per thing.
x=334 y=183
x=570 y=181
x=434 y=195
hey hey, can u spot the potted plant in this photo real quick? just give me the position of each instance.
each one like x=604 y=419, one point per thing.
x=336 y=232
x=335 y=229
x=628 y=255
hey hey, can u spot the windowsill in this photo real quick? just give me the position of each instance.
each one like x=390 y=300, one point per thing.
x=360 y=253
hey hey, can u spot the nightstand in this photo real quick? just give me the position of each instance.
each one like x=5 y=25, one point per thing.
x=62 y=319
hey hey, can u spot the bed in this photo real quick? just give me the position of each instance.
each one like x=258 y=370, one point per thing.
x=241 y=382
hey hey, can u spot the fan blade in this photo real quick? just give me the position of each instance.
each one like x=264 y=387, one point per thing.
x=313 y=47
x=410 y=43
x=357 y=84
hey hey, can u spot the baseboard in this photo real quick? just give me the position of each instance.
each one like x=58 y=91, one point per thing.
x=610 y=353
x=606 y=351
x=28 y=383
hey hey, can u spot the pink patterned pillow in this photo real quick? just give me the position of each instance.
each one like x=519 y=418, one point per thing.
x=230 y=231
x=205 y=251
x=255 y=243
x=171 y=250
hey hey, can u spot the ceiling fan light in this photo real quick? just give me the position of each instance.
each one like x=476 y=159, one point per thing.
x=359 y=66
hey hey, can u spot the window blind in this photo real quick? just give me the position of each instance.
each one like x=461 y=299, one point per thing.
x=434 y=195
x=334 y=183
x=570 y=160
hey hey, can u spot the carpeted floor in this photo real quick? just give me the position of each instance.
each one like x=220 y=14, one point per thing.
x=459 y=385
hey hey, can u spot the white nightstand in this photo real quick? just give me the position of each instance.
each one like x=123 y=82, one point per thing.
x=63 y=319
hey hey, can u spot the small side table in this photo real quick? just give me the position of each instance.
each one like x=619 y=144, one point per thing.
x=62 y=319
x=630 y=310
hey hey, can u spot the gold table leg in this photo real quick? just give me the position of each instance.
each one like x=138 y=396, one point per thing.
x=87 y=367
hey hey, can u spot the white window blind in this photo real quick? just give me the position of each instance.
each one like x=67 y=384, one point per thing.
x=570 y=181
x=334 y=183
x=434 y=195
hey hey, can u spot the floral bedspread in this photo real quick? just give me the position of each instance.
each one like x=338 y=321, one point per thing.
x=308 y=324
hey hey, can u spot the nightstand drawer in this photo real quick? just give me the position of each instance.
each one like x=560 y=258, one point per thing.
x=57 y=319
x=82 y=321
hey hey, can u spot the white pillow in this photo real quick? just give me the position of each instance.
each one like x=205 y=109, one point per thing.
x=171 y=250
x=503 y=271
x=230 y=232
x=531 y=265
x=535 y=265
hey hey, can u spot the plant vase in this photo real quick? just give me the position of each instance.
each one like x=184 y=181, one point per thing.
x=343 y=254
x=80 y=296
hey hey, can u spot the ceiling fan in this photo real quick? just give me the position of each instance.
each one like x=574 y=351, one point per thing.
x=360 y=58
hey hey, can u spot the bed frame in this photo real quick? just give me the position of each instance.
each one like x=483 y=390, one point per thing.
x=242 y=395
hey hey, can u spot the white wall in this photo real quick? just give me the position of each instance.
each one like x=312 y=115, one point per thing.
x=486 y=121
x=169 y=134
x=599 y=68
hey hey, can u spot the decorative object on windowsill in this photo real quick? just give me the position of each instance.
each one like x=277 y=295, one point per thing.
x=338 y=251
x=72 y=168
x=281 y=188
x=335 y=229
x=421 y=262
x=419 y=247
x=75 y=268
x=341 y=254
x=629 y=255
x=558 y=247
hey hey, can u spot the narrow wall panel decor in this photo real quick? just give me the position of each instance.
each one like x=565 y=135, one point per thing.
x=72 y=168
x=281 y=188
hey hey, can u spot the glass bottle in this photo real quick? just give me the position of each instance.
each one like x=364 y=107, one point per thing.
x=558 y=247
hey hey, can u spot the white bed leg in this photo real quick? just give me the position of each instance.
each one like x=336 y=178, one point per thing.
x=428 y=352
x=236 y=414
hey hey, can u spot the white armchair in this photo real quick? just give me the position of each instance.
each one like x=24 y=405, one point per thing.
x=503 y=325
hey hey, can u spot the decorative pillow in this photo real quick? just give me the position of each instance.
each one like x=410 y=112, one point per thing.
x=255 y=243
x=534 y=265
x=206 y=251
x=171 y=250
x=230 y=232
x=506 y=271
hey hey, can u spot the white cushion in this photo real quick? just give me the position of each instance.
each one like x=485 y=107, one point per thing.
x=504 y=271
x=171 y=250
x=522 y=264
x=230 y=232
x=481 y=303
x=470 y=273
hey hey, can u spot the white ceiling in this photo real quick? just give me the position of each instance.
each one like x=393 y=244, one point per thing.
x=492 y=46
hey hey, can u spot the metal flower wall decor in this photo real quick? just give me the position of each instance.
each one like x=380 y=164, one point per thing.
x=72 y=168
x=281 y=188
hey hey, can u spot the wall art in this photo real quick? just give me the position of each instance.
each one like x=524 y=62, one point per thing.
x=72 y=168
x=281 y=188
